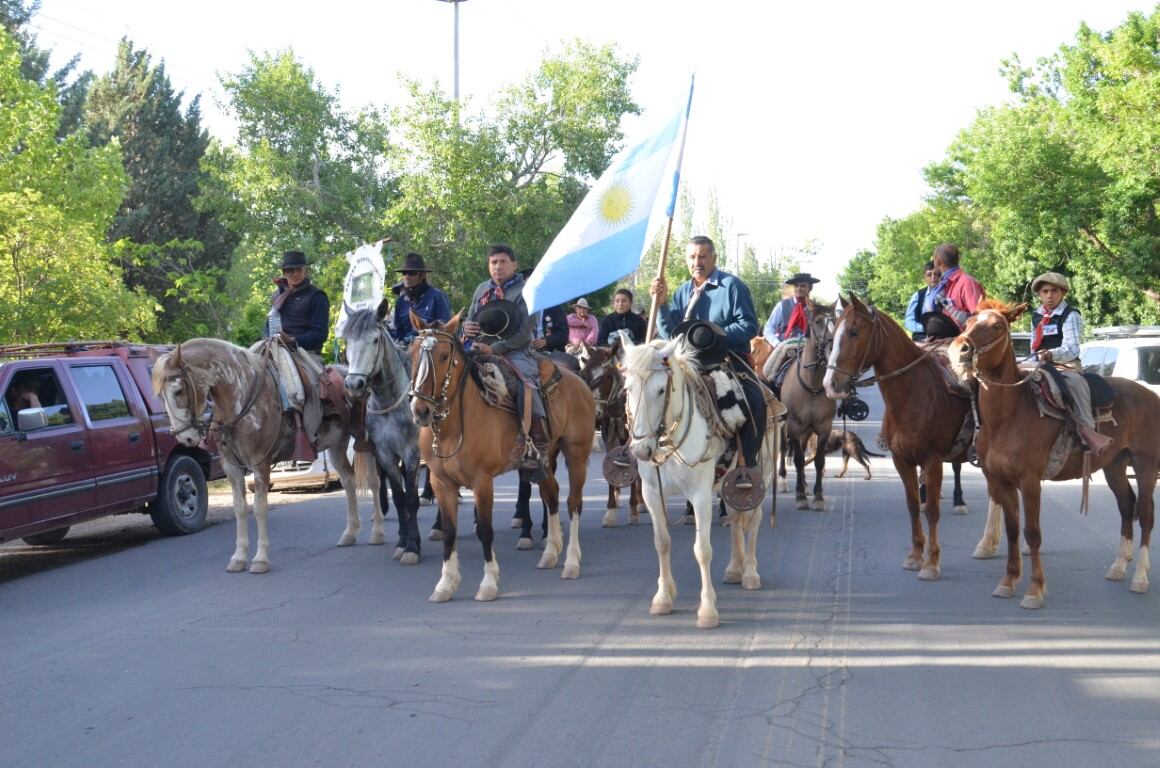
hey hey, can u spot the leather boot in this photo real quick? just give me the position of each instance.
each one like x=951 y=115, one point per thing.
x=536 y=459
x=1096 y=442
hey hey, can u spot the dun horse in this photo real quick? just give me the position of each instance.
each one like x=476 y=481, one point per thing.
x=924 y=420
x=251 y=427
x=598 y=369
x=377 y=372
x=677 y=447
x=1015 y=446
x=467 y=443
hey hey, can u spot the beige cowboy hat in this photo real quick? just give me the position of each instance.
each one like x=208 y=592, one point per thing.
x=582 y=303
x=1050 y=278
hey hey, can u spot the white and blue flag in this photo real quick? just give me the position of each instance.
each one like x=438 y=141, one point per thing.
x=607 y=235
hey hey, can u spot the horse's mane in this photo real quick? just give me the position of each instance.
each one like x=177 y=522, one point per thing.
x=361 y=321
x=639 y=359
x=1002 y=307
x=160 y=369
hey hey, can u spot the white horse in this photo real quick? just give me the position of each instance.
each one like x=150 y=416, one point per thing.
x=251 y=428
x=677 y=445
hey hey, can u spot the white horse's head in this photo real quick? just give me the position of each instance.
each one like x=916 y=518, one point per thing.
x=649 y=370
x=366 y=348
x=184 y=403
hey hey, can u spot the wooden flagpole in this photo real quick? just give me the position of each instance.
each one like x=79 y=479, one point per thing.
x=650 y=331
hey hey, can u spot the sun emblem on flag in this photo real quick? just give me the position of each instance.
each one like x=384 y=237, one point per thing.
x=615 y=203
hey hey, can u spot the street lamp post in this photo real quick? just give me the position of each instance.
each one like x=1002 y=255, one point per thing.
x=737 y=250
x=455 y=48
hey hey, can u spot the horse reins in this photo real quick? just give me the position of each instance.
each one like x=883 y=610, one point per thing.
x=855 y=382
x=380 y=367
x=429 y=337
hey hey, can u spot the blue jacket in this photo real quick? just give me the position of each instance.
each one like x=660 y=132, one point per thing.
x=726 y=301
x=429 y=303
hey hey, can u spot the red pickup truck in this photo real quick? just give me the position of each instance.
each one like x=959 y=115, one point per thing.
x=83 y=436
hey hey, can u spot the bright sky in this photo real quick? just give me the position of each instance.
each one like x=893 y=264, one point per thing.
x=812 y=120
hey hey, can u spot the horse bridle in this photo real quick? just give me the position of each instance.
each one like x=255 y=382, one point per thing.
x=820 y=353
x=876 y=329
x=380 y=368
x=428 y=339
x=204 y=426
x=666 y=445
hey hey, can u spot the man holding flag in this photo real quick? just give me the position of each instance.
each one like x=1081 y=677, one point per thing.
x=720 y=298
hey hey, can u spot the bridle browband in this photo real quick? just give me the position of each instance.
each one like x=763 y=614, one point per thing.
x=428 y=339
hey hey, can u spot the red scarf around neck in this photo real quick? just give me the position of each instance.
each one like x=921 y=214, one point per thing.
x=797 y=318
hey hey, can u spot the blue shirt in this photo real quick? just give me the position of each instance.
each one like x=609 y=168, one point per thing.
x=725 y=300
x=429 y=303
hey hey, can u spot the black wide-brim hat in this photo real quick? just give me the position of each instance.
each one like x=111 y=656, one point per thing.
x=499 y=318
x=936 y=325
x=802 y=277
x=707 y=338
x=413 y=262
x=294 y=260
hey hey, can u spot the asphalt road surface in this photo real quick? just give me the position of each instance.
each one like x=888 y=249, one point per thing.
x=125 y=648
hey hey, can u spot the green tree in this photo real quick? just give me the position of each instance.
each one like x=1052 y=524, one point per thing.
x=304 y=175
x=71 y=85
x=177 y=254
x=57 y=199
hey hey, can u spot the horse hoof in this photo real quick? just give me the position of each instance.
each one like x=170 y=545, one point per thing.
x=525 y=542
x=571 y=571
x=409 y=558
x=801 y=504
x=708 y=620
x=960 y=509
x=1003 y=591
x=731 y=577
x=346 y=540
x=1139 y=586
x=983 y=552
x=259 y=566
x=236 y=566
x=439 y=596
x=751 y=582
x=1115 y=573
x=929 y=573
x=1031 y=602
x=609 y=519
x=783 y=486
x=547 y=561
x=397 y=553
x=377 y=538
x=634 y=519
x=660 y=609
x=912 y=563
x=487 y=594
x=435 y=535
x=818 y=505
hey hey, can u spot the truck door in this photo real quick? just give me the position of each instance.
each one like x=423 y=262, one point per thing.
x=122 y=437
x=45 y=473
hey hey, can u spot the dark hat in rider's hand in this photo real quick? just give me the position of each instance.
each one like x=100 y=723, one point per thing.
x=499 y=318
x=936 y=325
x=294 y=260
x=707 y=338
x=413 y=262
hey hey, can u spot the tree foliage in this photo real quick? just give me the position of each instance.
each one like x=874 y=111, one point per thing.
x=57 y=199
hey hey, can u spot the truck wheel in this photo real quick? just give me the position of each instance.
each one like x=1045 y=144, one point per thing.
x=181 y=504
x=46 y=538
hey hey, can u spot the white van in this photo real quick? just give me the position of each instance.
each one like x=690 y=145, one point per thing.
x=1127 y=351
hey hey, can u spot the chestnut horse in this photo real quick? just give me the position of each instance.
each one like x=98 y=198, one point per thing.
x=924 y=414
x=252 y=430
x=598 y=369
x=1015 y=447
x=467 y=443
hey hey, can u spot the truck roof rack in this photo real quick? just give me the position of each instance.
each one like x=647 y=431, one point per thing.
x=1125 y=331
x=121 y=348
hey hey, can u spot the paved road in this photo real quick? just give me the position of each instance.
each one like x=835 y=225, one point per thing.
x=123 y=648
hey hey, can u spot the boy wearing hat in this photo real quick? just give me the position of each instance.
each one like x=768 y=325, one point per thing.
x=509 y=334
x=414 y=293
x=1058 y=329
x=788 y=323
x=299 y=307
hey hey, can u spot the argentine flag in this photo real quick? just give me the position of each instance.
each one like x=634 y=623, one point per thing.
x=606 y=236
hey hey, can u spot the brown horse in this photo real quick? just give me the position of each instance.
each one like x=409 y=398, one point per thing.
x=808 y=412
x=598 y=369
x=467 y=443
x=1015 y=447
x=924 y=414
x=252 y=429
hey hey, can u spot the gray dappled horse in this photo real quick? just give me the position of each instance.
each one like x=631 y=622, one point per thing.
x=808 y=411
x=379 y=373
x=252 y=428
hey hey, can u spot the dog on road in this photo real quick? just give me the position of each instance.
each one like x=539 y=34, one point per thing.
x=852 y=448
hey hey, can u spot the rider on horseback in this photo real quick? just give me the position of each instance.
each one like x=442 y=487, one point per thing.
x=787 y=327
x=511 y=342
x=723 y=299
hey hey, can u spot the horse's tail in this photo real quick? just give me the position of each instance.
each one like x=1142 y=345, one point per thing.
x=366 y=474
